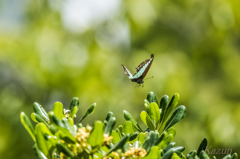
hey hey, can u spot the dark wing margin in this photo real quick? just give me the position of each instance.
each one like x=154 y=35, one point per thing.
x=126 y=71
x=143 y=63
x=148 y=67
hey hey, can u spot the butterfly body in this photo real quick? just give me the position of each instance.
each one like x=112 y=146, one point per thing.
x=142 y=70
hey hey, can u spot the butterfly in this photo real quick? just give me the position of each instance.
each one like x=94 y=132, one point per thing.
x=142 y=71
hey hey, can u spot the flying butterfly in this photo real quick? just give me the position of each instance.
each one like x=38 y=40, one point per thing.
x=142 y=71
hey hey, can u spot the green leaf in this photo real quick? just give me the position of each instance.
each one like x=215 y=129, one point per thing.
x=89 y=111
x=37 y=118
x=74 y=103
x=109 y=115
x=165 y=141
x=192 y=155
x=176 y=116
x=155 y=114
x=147 y=120
x=43 y=144
x=28 y=125
x=129 y=117
x=68 y=126
x=65 y=131
x=97 y=155
x=73 y=112
x=71 y=122
x=161 y=138
x=203 y=155
x=133 y=136
x=234 y=156
x=62 y=148
x=163 y=105
x=38 y=109
x=141 y=137
x=150 y=140
x=118 y=145
x=109 y=126
x=179 y=149
x=202 y=146
x=151 y=97
x=34 y=118
x=120 y=128
x=125 y=147
x=167 y=155
x=85 y=155
x=119 y=132
x=147 y=105
x=96 y=135
x=105 y=123
x=128 y=129
x=170 y=145
x=58 y=110
x=38 y=153
x=171 y=106
x=53 y=129
x=54 y=120
x=115 y=136
x=146 y=102
x=65 y=136
x=170 y=152
x=171 y=131
x=153 y=154
x=175 y=156
x=227 y=157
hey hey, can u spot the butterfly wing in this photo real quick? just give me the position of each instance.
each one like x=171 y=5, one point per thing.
x=141 y=65
x=127 y=72
x=142 y=69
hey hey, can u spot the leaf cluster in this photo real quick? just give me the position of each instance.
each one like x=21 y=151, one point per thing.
x=57 y=136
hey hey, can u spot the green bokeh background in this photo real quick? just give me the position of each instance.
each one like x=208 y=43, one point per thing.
x=55 y=50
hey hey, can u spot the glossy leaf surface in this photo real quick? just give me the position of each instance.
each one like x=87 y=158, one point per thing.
x=96 y=135
x=89 y=111
x=129 y=117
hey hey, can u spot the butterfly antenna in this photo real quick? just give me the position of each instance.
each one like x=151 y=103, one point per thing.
x=148 y=77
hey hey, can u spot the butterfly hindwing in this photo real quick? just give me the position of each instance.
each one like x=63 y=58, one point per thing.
x=127 y=72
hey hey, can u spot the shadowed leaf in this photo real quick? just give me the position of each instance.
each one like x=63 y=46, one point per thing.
x=202 y=146
x=147 y=120
x=176 y=116
x=151 y=97
x=129 y=117
x=89 y=111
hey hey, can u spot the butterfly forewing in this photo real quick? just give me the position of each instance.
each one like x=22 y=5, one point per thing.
x=141 y=65
x=143 y=68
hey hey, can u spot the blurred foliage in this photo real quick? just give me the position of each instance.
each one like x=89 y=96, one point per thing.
x=54 y=50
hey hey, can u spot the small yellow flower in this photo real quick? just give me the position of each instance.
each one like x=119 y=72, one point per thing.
x=135 y=152
x=107 y=139
x=116 y=155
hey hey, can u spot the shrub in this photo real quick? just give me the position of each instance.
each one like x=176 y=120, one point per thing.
x=56 y=136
